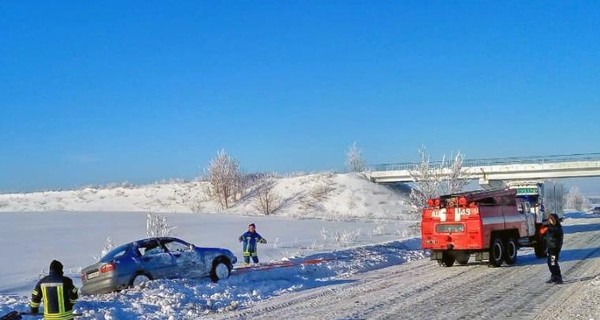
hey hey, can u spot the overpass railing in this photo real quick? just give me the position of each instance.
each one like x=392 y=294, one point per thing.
x=493 y=161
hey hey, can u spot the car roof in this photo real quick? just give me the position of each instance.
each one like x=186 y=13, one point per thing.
x=138 y=243
x=146 y=240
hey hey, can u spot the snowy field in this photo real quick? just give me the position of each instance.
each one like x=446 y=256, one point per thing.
x=32 y=240
x=345 y=223
x=352 y=251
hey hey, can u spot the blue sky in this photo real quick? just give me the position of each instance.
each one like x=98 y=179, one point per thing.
x=139 y=91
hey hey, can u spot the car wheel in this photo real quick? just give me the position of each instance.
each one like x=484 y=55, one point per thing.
x=220 y=269
x=139 y=280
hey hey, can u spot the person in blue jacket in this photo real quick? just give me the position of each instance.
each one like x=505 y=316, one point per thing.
x=250 y=240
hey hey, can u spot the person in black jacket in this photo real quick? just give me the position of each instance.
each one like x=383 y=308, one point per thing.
x=554 y=241
x=58 y=293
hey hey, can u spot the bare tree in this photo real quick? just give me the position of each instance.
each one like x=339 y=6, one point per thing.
x=267 y=201
x=454 y=180
x=225 y=178
x=108 y=245
x=433 y=180
x=354 y=159
x=427 y=180
x=157 y=225
x=575 y=200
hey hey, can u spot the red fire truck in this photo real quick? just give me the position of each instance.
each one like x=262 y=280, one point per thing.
x=490 y=224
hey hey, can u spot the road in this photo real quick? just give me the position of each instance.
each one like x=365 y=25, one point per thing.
x=424 y=290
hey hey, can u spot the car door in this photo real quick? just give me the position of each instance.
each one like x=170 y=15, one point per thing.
x=156 y=260
x=188 y=262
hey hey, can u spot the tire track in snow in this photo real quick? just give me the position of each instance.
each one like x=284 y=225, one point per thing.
x=583 y=273
x=422 y=290
x=344 y=296
x=520 y=294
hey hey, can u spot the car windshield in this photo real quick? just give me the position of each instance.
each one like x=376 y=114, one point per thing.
x=115 y=253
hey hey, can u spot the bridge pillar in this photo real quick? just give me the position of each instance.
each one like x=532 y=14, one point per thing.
x=491 y=184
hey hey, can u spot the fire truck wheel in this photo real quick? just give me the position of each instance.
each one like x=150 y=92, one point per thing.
x=496 y=253
x=447 y=260
x=462 y=258
x=510 y=251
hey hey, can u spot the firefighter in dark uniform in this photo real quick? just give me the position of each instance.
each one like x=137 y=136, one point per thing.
x=57 y=293
x=554 y=241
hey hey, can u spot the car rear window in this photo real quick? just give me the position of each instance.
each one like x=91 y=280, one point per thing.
x=115 y=253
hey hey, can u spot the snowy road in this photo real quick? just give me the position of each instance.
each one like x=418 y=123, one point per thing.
x=423 y=290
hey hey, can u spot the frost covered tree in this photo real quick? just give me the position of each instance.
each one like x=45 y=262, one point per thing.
x=267 y=201
x=575 y=200
x=426 y=180
x=157 y=225
x=225 y=178
x=354 y=159
x=434 y=179
x=108 y=245
x=456 y=176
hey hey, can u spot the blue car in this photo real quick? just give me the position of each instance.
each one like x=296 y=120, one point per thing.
x=133 y=263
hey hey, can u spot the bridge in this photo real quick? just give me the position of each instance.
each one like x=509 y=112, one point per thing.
x=493 y=172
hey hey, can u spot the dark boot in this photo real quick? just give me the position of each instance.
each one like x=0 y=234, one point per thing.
x=558 y=281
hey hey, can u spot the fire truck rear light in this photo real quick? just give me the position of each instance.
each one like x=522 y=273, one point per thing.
x=437 y=202
x=462 y=201
x=430 y=203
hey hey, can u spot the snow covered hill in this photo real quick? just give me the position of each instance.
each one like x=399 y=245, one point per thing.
x=325 y=195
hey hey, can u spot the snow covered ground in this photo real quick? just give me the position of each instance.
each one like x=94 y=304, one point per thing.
x=423 y=290
x=361 y=226
x=346 y=247
x=361 y=260
x=384 y=279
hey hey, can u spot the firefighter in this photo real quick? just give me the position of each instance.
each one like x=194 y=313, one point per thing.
x=57 y=292
x=250 y=240
x=554 y=242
